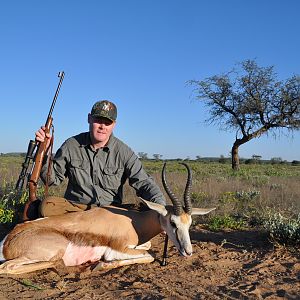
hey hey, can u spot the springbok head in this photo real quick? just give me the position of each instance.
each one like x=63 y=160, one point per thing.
x=176 y=220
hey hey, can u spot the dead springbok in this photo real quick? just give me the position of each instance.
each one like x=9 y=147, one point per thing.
x=117 y=236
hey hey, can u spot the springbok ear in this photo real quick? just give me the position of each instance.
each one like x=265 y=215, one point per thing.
x=202 y=211
x=155 y=206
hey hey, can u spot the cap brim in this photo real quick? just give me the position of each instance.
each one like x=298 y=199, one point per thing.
x=103 y=116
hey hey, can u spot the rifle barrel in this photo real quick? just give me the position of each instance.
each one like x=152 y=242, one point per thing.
x=61 y=75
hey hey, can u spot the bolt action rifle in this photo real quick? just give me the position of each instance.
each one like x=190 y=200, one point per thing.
x=34 y=158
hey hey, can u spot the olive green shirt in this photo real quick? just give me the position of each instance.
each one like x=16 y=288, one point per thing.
x=96 y=177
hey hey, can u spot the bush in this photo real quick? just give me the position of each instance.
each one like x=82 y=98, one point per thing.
x=225 y=222
x=11 y=206
x=284 y=231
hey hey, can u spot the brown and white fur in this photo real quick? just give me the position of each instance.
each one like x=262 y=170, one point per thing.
x=115 y=236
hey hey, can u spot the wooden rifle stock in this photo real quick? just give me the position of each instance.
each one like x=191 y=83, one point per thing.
x=31 y=207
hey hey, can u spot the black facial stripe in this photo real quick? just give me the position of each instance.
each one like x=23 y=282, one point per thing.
x=177 y=236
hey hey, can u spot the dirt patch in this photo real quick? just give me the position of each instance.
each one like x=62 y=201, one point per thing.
x=227 y=265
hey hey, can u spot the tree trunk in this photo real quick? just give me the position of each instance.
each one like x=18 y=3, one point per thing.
x=235 y=161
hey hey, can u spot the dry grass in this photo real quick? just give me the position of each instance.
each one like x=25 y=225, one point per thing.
x=214 y=184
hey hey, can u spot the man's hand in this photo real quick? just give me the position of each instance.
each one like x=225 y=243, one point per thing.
x=40 y=136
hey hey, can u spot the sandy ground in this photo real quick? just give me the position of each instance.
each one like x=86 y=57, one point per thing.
x=226 y=265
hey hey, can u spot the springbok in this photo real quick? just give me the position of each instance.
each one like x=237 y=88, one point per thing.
x=117 y=236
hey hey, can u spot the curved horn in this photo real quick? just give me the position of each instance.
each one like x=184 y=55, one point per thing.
x=187 y=198
x=176 y=203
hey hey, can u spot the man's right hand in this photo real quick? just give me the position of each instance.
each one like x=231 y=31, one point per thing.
x=40 y=136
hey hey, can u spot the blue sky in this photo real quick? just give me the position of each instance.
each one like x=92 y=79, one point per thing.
x=139 y=54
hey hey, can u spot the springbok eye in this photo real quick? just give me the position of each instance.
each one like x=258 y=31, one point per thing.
x=173 y=224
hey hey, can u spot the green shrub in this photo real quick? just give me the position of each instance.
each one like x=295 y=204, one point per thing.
x=11 y=206
x=247 y=196
x=240 y=200
x=6 y=215
x=225 y=222
x=284 y=231
x=12 y=203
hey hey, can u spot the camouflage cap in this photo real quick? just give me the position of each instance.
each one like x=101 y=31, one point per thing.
x=104 y=109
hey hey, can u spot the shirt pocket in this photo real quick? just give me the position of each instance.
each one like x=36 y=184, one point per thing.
x=79 y=171
x=112 y=177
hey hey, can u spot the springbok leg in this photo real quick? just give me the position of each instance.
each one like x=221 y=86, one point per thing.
x=23 y=265
x=115 y=259
x=102 y=265
x=145 y=246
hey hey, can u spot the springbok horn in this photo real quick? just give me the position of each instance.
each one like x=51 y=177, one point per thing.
x=176 y=203
x=187 y=198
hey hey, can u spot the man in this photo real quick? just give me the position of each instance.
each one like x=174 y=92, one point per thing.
x=97 y=164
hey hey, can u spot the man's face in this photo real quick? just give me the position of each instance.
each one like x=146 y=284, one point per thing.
x=100 y=129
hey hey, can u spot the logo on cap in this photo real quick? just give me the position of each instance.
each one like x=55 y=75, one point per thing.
x=106 y=106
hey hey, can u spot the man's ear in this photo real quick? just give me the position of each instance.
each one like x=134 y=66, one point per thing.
x=155 y=206
x=89 y=118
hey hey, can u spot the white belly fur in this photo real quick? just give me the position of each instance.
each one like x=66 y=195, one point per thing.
x=77 y=255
